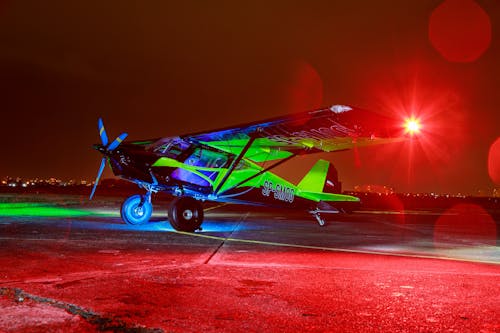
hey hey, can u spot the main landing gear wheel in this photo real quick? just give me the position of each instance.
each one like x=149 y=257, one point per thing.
x=185 y=214
x=136 y=210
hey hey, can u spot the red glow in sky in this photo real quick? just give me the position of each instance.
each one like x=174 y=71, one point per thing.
x=460 y=30
x=432 y=114
x=170 y=68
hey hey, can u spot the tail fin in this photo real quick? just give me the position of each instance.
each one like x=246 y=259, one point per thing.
x=322 y=178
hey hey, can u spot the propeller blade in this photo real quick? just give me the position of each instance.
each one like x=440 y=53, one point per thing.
x=117 y=141
x=99 y=174
x=102 y=133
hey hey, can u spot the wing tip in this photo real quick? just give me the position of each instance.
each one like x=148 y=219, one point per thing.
x=338 y=108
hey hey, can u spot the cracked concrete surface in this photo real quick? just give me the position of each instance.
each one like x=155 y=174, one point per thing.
x=27 y=311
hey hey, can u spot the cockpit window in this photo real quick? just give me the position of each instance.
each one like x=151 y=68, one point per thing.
x=172 y=148
x=209 y=163
x=208 y=159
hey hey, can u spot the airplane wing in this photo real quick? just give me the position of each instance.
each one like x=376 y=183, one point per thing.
x=336 y=128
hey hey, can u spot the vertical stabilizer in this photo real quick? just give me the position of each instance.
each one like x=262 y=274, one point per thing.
x=322 y=178
x=314 y=180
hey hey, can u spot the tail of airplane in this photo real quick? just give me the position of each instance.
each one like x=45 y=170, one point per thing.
x=321 y=184
x=322 y=178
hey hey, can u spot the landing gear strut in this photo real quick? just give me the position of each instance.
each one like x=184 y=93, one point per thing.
x=185 y=214
x=323 y=207
x=318 y=217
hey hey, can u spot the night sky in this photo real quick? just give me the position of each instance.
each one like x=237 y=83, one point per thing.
x=163 y=68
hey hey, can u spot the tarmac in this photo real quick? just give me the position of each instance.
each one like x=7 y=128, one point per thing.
x=72 y=266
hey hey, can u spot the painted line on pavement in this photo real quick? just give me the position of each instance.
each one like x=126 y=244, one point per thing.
x=331 y=249
x=406 y=212
x=215 y=207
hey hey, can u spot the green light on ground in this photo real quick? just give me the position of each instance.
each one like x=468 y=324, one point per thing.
x=40 y=210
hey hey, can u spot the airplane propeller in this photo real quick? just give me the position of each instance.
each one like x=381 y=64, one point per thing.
x=102 y=132
x=107 y=149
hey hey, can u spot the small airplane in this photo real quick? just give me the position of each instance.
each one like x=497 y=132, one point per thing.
x=234 y=164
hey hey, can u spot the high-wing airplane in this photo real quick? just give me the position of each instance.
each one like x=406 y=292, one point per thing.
x=234 y=164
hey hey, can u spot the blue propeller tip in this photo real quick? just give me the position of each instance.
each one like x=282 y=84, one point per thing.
x=102 y=132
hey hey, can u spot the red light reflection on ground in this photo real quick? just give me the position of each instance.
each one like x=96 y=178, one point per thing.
x=465 y=224
x=494 y=161
x=460 y=30
x=394 y=203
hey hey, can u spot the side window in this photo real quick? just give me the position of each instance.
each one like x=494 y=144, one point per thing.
x=214 y=159
x=207 y=159
x=175 y=150
x=204 y=159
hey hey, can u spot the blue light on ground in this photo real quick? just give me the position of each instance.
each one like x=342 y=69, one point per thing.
x=157 y=226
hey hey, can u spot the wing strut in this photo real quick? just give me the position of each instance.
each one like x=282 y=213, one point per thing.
x=235 y=162
x=260 y=172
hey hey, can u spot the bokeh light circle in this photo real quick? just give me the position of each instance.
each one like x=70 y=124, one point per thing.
x=305 y=87
x=460 y=30
x=494 y=161
x=465 y=225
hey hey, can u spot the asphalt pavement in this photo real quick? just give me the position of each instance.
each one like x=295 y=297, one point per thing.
x=71 y=265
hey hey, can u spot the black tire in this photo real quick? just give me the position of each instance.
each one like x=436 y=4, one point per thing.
x=132 y=212
x=185 y=214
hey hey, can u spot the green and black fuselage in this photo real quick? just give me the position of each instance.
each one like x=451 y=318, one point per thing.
x=205 y=173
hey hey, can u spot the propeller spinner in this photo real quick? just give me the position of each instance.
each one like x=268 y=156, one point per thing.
x=106 y=150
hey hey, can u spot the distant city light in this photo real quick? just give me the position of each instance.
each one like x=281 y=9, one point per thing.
x=20 y=184
x=37 y=182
